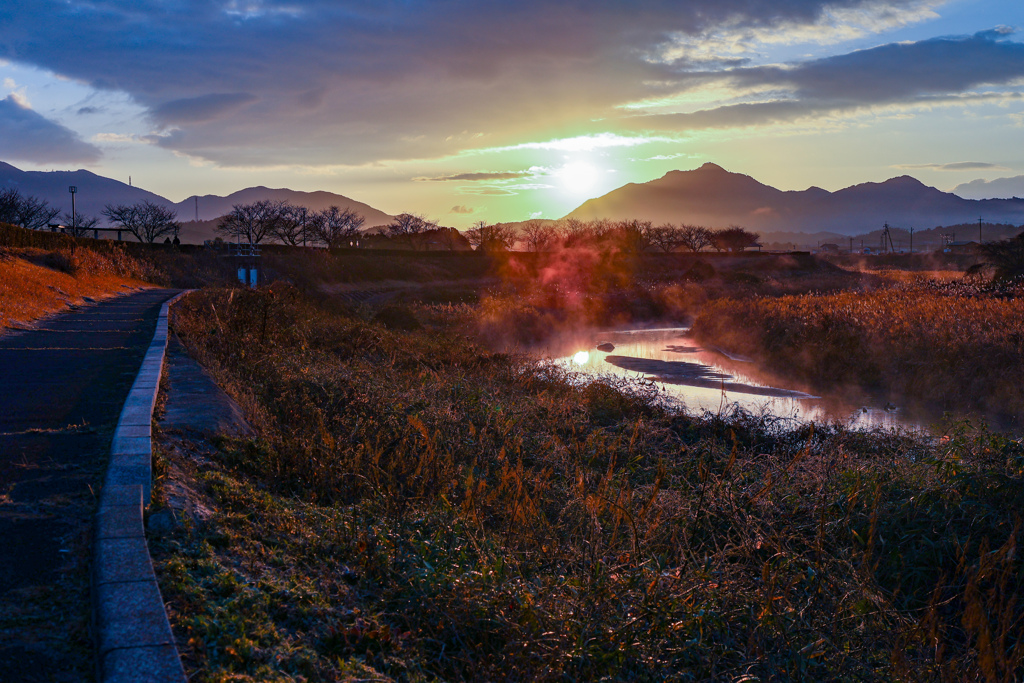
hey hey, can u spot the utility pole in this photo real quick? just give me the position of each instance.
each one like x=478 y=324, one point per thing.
x=851 y=245
x=74 y=216
x=197 y=208
x=911 y=240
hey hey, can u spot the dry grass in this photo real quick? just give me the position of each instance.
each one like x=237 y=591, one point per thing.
x=945 y=340
x=36 y=282
x=43 y=273
x=418 y=508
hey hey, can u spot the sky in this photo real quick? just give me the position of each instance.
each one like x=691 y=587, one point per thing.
x=468 y=110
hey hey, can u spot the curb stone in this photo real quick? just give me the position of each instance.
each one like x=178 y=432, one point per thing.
x=134 y=642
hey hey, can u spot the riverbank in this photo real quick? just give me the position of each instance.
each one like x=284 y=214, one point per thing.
x=950 y=342
x=416 y=506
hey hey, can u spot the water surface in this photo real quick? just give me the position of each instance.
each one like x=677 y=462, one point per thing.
x=711 y=379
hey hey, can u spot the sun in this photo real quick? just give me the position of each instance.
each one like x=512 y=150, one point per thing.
x=581 y=358
x=579 y=177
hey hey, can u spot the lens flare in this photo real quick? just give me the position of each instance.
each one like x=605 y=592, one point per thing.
x=581 y=358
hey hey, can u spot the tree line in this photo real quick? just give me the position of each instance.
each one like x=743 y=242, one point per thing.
x=633 y=236
x=334 y=227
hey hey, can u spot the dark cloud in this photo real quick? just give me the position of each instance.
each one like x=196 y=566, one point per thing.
x=26 y=134
x=925 y=72
x=199 y=109
x=335 y=81
x=462 y=209
x=506 y=175
x=82 y=111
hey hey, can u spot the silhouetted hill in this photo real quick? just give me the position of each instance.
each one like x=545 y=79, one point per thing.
x=212 y=206
x=94 y=191
x=714 y=197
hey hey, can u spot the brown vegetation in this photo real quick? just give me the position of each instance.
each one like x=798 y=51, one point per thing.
x=39 y=280
x=417 y=507
x=954 y=342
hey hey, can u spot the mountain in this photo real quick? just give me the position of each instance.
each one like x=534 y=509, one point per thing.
x=94 y=191
x=212 y=206
x=712 y=196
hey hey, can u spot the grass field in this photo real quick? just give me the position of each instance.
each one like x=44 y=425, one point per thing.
x=937 y=339
x=36 y=282
x=417 y=507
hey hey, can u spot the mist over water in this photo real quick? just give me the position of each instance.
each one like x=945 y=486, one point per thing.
x=699 y=379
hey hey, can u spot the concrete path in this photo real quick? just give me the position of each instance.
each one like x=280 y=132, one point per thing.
x=62 y=387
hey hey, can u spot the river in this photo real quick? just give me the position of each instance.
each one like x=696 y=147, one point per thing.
x=706 y=379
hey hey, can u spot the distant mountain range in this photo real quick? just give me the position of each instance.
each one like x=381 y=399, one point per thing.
x=714 y=197
x=709 y=196
x=212 y=207
x=95 y=192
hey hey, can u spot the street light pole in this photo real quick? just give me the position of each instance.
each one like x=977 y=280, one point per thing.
x=74 y=216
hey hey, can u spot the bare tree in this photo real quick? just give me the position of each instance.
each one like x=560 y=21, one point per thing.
x=407 y=226
x=292 y=224
x=28 y=212
x=252 y=223
x=498 y=237
x=336 y=227
x=146 y=220
x=537 y=236
x=734 y=238
x=449 y=237
x=665 y=237
x=635 y=235
x=694 y=237
x=79 y=225
x=574 y=231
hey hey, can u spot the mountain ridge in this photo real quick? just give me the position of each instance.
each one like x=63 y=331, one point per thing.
x=712 y=196
x=96 y=191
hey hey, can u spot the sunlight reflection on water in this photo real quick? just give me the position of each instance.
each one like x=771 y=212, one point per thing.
x=699 y=379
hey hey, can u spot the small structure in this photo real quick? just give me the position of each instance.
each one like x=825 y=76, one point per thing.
x=960 y=247
x=829 y=248
x=247 y=261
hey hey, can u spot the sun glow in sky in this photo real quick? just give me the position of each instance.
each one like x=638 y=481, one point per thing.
x=504 y=111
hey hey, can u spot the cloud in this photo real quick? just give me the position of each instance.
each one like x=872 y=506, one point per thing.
x=1000 y=188
x=584 y=143
x=928 y=72
x=462 y=209
x=326 y=82
x=200 y=109
x=83 y=111
x=955 y=166
x=504 y=175
x=25 y=134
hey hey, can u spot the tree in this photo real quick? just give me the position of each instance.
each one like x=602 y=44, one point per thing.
x=496 y=237
x=537 y=236
x=79 y=225
x=336 y=227
x=28 y=212
x=734 y=238
x=292 y=224
x=665 y=237
x=694 y=237
x=407 y=226
x=146 y=220
x=252 y=223
x=1005 y=256
x=635 y=235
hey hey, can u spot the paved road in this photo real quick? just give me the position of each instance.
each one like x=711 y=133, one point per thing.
x=61 y=391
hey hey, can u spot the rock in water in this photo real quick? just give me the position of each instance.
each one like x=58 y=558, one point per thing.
x=606 y=346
